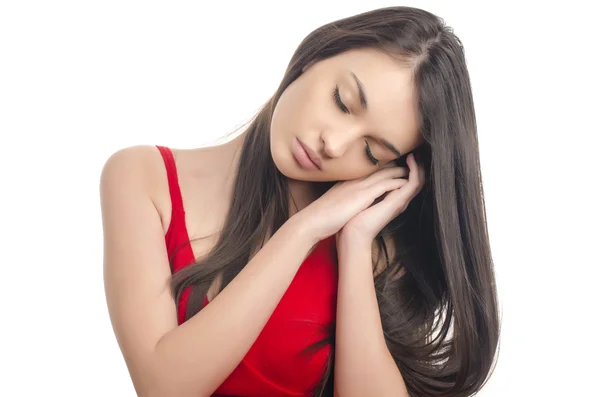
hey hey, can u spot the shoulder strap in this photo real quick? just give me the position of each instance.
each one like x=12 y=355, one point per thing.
x=174 y=189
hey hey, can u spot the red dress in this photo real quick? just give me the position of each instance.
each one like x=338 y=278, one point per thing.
x=274 y=365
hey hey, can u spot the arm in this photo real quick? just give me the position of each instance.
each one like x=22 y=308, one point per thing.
x=193 y=359
x=363 y=363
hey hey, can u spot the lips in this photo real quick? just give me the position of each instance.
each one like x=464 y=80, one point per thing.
x=314 y=157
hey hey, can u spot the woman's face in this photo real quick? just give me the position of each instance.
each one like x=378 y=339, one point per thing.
x=353 y=135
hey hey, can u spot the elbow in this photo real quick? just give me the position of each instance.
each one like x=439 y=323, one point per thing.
x=156 y=381
x=167 y=388
x=149 y=383
x=156 y=373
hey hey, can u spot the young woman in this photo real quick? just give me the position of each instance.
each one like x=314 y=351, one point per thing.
x=342 y=242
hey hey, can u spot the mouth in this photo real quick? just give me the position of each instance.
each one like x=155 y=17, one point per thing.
x=306 y=156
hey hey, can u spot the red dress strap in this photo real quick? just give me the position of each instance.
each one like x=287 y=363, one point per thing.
x=177 y=240
x=177 y=237
x=174 y=189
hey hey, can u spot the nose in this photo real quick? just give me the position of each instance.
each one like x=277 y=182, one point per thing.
x=337 y=141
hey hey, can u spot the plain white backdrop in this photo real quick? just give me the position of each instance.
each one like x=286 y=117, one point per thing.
x=82 y=79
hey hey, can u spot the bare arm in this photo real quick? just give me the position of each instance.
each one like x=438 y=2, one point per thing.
x=363 y=364
x=196 y=357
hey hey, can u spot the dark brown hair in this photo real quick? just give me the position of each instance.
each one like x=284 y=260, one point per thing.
x=440 y=319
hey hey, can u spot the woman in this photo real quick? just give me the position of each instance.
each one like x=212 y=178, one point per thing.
x=344 y=244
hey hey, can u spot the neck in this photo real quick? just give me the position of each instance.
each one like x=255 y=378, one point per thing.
x=302 y=193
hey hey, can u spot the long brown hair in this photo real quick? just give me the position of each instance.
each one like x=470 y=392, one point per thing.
x=440 y=319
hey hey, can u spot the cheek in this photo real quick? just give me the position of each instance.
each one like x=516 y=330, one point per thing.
x=349 y=174
x=281 y=151
x=283 y=123
x=351 y=167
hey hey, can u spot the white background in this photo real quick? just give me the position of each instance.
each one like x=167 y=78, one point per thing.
x=82 y=79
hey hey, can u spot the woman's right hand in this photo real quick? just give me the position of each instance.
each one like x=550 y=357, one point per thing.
x=330 y=212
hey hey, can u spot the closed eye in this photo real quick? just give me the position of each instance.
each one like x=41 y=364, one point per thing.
x=373 y=159
x=343 y=108
x=338 y=100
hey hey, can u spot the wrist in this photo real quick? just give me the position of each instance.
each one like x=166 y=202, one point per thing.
x=302 y=228
x=354 y=238
x=349 y=243
x=353 y=253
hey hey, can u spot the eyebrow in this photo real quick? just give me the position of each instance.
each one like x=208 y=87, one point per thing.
x=391 y=147
x=364 y=104
x=361 y=91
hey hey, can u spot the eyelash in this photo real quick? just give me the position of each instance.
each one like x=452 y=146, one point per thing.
x=338 y=100
x=374 y=160
x=343 y=108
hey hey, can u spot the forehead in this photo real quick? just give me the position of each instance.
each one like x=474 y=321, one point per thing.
x=389 y=88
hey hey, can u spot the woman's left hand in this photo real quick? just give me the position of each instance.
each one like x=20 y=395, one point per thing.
x=365 y=226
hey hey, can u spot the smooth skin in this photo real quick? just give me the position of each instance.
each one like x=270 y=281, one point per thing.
x=165 y=359
x=363 y=364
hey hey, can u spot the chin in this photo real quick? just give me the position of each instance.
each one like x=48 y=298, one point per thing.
x=291 y=170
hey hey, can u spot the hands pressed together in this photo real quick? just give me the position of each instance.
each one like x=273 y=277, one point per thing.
x=348 y=208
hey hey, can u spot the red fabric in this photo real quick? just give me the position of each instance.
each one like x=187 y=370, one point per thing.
x=274 y=365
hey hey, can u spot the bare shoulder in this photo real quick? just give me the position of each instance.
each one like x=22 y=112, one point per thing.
x=137 y=167
x=204 y=175
x=130 y=158
x=127 y=165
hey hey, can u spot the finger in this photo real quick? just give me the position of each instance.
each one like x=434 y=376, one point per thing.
x=393 y=204
x=416 y=170
x=385 y=173
x=384 y=186
x=397 y=200
x=384 y=211
x=410 y=190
